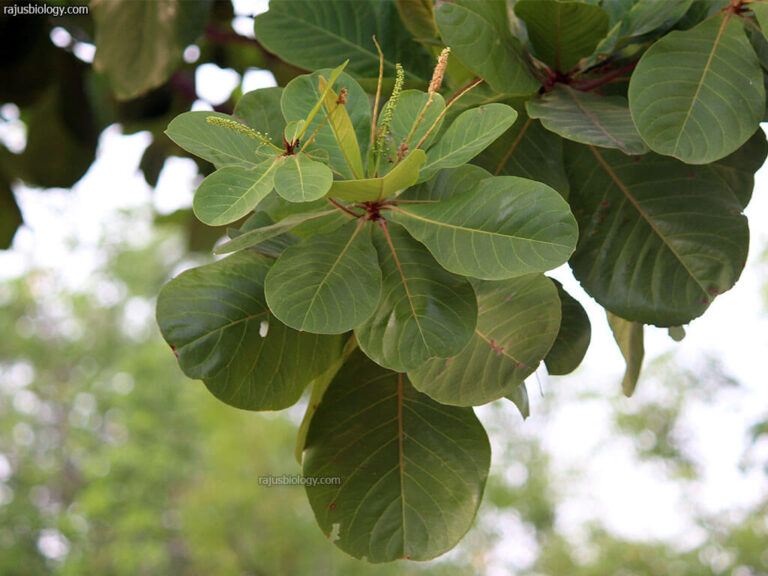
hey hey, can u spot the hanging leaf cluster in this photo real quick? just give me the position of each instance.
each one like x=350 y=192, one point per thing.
x=388 y=242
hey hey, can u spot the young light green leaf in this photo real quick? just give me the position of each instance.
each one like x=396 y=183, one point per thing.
x=573 y=338
x=409 y=108
x=230 y=193
x=659 y=240
x=629 y=337
x=323 y=93
x=405 y=174
x=299 y=179
x=424 y=311
x=216 y=319
x=502 y=228
x=341 y=124
x=562 y=33
x=467 y=136
x=300 y=97
x=717 y=83
x=588 y=118
x=412 y=470
x=216 y=144
x=327 y=284
x=293 y=130
x=516 y=326
x=479 y=34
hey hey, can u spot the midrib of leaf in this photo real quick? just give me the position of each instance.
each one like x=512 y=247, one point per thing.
x=327 y=274
x=400 y=450
x=513 y=147
x=224 y=327
x=645 y=217
x=405 y=284
x=726 y=19
x=301 y=176
x=595 y=121
x=503 y=353
x=473 y=230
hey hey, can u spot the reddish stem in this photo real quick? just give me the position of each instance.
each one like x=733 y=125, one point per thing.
x=597 y=82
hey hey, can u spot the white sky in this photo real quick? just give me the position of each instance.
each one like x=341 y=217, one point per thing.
x=64 y=232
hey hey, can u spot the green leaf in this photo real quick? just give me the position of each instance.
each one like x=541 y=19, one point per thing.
x=760 y=10
x=562 y=33
x=408 y=110
x=400 y=177
x=629 y=337
x=299 y=179
x=216 y=318
x=737 y=171
x=10 y=215
x=519 y=397
x=341 y=124
x=412 y=470
x=677 y=333
x=648 y=15
x=260 y=109
x=326 y=284
x=216 y=144
x=418 y=16
x=503 y=227
x=312 y=35
x=323 y=88
x=446 y=183
x=573 y=338
x=717 y=83
x=658 y=239
x=302 y=95
x=529 y=151
x=588 y=118
x=259 y=234
x=479 y=34
x=140 y=44
x=424 y=311
x=516 y=326
x=467 y=136
x=231 y=193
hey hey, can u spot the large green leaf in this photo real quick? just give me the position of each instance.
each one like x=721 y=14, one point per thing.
x=658 y=239
x=327 y=284
x=516 y=326
x=647 y=15
x=216 y=319
x=503 y=227
x=588 y=118
x=467 y=136
x=410 y=106
x=230 y=193
x=269 y=229
x=629 y=337
x=418 y=16
x=217 y=144
x=140 y=44
x=412 y=471
x=737 y=170
x=562 y=33
x=424 y=311
x=260 y=109
x=312 y=35
x=527 y=150
x=400 y=177
x=698 y=95
x=446 y=183
x=573 y=337
x=299 y=179
x=301 y=96
x=479 y=34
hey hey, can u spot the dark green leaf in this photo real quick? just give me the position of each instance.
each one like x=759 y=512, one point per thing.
x=658 y=239
x=573 y=338
x=737 y=171
x=519 y=397
x=629 y=337
x=588 y=118
x=479 y=34
x=562 y=33
x=10 y=215
x=231 y=193
x=503 y=227
x=412 y=470
x=140 y=44
x=216 y=318
x=517 y=323
x=717 y=83
x=424 y=311
x=418 y=16
x=326 y=284
x=761 y=13
x=446 y=183
x=467 y=136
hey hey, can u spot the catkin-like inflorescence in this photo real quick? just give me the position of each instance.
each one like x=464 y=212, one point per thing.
x=389 y=108
x=437 y=75
x=237 y=127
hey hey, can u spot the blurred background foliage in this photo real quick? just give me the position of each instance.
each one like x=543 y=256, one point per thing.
x=112 y=462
